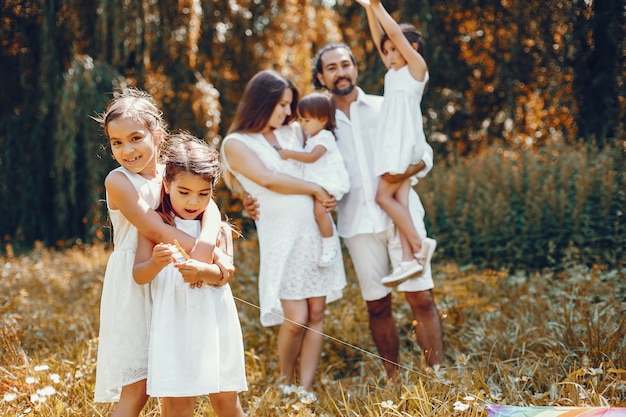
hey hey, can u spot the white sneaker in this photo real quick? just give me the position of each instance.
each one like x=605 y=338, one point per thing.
x=428 y=248
x=328 y=256
x=305 y=396
x=287 y=389
x=404 y=271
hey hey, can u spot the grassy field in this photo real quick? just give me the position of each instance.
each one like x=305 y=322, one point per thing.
x=552 y=337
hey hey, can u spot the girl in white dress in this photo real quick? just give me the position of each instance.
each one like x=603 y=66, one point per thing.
x=196 y=345
x=323 y=164
x=293 y=289
x=401 y=140
x=135 y=129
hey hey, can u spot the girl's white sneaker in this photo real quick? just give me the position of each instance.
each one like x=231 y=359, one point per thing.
x=406 y=270
x=426 y=254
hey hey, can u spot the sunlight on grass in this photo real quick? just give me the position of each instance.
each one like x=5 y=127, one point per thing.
x=511 y=337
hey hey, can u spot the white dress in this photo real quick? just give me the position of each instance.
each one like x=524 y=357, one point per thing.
x=289 y=239
x=400 y=134
x=125 y=306
x=329 y=171
x=196 y=345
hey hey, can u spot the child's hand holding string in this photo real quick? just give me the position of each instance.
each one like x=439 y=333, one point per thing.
x=197 y=273
x=162 y=255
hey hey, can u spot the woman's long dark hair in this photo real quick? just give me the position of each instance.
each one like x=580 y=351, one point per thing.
x=260 y=97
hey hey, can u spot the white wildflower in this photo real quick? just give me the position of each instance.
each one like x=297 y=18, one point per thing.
x=39 y=368
x=30 y=380
x=47 y=391
x=55 y=378
x=388 y=404
x=461 y=406
x=595 y=371
x=36 y=398
x=9 y=396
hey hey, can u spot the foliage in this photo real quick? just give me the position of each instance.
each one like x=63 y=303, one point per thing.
x=509 y=71
x=543 y=338
x=529 y=208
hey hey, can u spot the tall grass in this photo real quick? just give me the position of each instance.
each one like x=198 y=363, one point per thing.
x=540 y=338
x=530 y=207
x=514 y=332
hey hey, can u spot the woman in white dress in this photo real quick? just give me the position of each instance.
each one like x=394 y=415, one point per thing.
x=400 y=135
x=196 y=345
x=293 y=289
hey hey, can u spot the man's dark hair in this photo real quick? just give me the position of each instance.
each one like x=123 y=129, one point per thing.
x=317 y=61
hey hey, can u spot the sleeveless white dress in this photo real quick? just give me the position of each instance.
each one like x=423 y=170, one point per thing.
x=289 y=239
x=125 y=306
x=400 y=135
x=329 y=171
x=196 y=345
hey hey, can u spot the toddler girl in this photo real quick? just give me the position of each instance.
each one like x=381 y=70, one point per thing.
x=323 y=164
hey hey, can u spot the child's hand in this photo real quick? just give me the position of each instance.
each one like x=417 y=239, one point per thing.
x=227 y=268
x=162 y=254
x=191 y=270
x=283 y=153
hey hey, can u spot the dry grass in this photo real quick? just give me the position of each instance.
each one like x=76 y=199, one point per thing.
x=541 y=338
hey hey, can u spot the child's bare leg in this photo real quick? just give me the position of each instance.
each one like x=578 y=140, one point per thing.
x=394 y=199
x=179 y=406
x=330 y=244
x=407 y=254
x=226 y=404
x=132 y=400
x=322 y=217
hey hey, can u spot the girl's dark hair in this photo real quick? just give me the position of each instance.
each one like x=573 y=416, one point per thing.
x=184 y=152
x=318 y=105
x=411 y=33
x=136 y=104
x=260 y=97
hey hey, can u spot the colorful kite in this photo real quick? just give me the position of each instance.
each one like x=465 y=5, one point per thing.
x=513 y=411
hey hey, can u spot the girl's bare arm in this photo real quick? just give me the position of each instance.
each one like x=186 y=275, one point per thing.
x=415 y=61
x=123 y=196
x=306 y=157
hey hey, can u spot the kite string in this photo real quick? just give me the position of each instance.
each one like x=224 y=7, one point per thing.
x=368 y=353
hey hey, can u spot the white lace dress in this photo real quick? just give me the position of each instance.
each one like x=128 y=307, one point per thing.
x=196 y=346
x=125 y=306
x=289 y=239
x=329 y=171
x=400 y=134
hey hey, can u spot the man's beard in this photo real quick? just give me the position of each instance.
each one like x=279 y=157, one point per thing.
x=345 y=91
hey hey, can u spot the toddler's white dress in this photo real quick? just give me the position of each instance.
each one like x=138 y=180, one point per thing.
x=289 y=239
x=329 y=171
x=400 y=135
x=196 y=345
x=125 y=306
